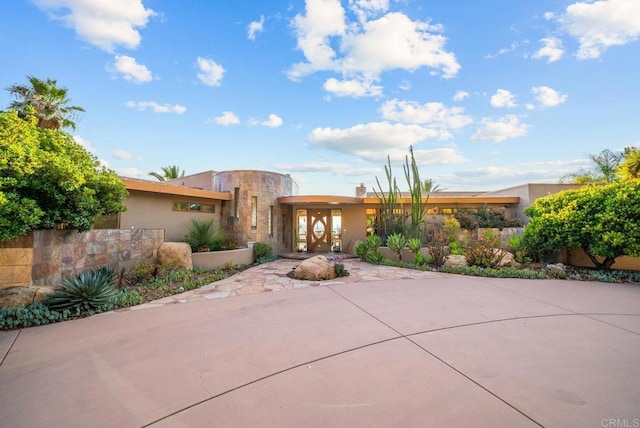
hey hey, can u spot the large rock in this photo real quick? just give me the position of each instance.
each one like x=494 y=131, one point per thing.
x=16 y=296
x=455 y=260
x=175 y=254
x=316 y=268
x=508 y=259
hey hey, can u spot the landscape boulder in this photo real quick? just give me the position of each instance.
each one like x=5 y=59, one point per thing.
x=175 y=254
x=455 y=260
x=317 y=268
x=508 y=259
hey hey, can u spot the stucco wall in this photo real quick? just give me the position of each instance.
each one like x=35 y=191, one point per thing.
x=155 y=211
x=577 y=257
x=528 y=193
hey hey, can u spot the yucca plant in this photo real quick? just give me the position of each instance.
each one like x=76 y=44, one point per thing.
x=201 y=234
x=90 y=290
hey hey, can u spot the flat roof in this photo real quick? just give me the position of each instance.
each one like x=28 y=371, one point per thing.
x=433 y=200
x=172 y=189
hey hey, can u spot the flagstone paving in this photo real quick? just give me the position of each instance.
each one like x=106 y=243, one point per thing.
x=272 y=276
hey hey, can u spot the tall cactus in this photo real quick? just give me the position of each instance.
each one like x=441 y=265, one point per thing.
x=418 y=206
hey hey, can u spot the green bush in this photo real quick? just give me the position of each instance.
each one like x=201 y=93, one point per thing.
x=375 y=258
x=28 y=316
x=90 y=291
x=361 y=250
x=485 y=251
x=396 y=243
x=340 y=270
x=451 y=229
x=203 y=234
x=455 y=248
x=419 y=259
x=414 y=245
x=374 y=242
x=516 y=246
x=263 y=253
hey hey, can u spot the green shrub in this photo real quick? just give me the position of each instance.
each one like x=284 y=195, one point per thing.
x=374 y=242
x=396 y=243
x=414 y=245
x=505 y=272
x=361 y=250
x=455 y=248
x=145 y=271
x=340 y=270
x=263 y=253
x=91 y=290
x=451 y=229
x=484 y=251
x=419 y=259
x=203 y=234
x=516 y=246
x=28 y=316
x=375 y=258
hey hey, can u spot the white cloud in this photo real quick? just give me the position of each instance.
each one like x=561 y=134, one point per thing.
x=124 y=155
x=506 y=127
x=512 y=47
x=365 y=9
x=395 y=41
x=84 y=143
x=210 y=73
x=552 y=49
x=226 y=118
x=352 y=88
x=105 y=24
x=367 y=139
x=601 y=24
x=503 y=98
x=157 y=108
x=405 y=85
x=361 y=51
x=334 y=168
x=436 y=114
x=130 y=70
x=255 y=27
x=441 y=156
x=130 y=172
x=274 y=121
x=548 y=97
x=460 y=95
x=549 y=15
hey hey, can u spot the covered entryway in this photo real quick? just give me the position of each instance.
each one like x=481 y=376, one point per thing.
x=319 y=230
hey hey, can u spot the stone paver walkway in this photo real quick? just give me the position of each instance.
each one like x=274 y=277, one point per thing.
x=273 y=277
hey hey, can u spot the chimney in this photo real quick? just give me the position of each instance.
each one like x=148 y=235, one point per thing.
x=361 y=191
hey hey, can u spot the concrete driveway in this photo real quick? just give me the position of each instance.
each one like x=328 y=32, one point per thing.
x=441 y=351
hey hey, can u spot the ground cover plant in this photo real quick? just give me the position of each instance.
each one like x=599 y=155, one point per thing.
x=100 y=290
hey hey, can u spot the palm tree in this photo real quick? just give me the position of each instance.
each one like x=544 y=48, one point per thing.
x=170 y=172
x=429 y=185
x=629 y=168
x=605 y=169
x=45 y=101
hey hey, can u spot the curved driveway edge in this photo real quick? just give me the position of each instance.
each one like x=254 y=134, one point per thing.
x=441 y=351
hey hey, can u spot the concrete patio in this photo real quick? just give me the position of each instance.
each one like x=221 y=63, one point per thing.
x=439 y=350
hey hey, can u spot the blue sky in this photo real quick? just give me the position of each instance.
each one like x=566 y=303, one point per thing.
x=490 y=94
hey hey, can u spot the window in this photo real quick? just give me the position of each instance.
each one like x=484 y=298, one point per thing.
x=193 y=207
x=179 y=206
x=236 y=201
x=254 y=212
x=336 y=230
x=270 y=220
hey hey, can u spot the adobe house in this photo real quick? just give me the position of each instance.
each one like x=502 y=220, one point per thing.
x=264 y=206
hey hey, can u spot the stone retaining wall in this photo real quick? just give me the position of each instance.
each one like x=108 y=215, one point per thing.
x=45 y=257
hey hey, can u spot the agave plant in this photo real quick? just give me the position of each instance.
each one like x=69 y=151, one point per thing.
x=92 y=289
x=396 y=242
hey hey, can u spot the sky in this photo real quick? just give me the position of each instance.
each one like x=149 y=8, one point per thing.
x=489 y=94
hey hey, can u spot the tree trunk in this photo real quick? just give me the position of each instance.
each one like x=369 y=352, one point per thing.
x=604 y=265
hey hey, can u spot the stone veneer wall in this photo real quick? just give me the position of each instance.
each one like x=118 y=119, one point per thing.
x=267 y=187
x=45 y=257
